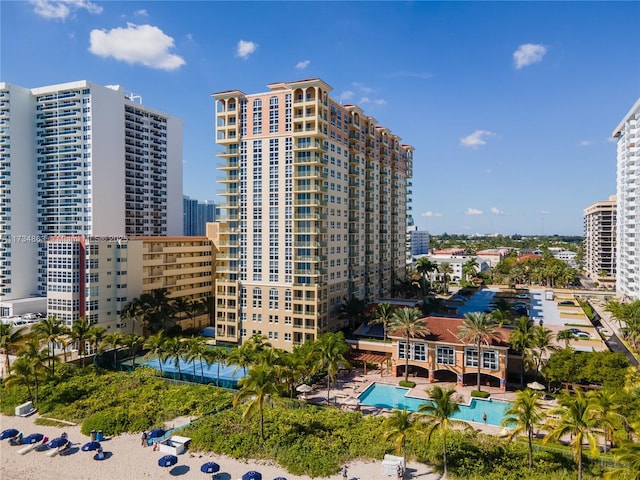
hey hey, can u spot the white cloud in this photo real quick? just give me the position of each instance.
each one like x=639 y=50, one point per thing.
x=528 y=54
x=363 y=88
x=429 y=213
x=364 y=100
x=476 y=139
x=136 y=44
x=302 y=65
x=346 y=95
x=245 y=48
x=380 y=101
x=473 y=211
x=496 y=211
x=141 y=13
x=585 y=143
x=61 y=9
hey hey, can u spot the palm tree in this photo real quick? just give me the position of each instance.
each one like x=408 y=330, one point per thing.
x=80 y=334
x=114 y=340
x=521 y=340
x=181 y=306
x=525 y=414
x=133 y=343
x=445 y=269
x=175 y=349
x=50 y=330
x=607 y=412
x=425 y=267
x=208 y=305
x=242 y=357
x=21 y=372
x=407 y=322
x=574 y=416
x=477 y=329
x=217 y=356
x=133 y=311
x=470 y=268
x=382 y=314
x=543 y=346
x=400 y=424
x=195 y=352
x=9 y=338
x=258 y=387
x=627 y=454
x=35 y=358
x=331 y=349
x=565 y=335
x=353 y=311
x=97 y=336
x=154 y=345
x=439 y=412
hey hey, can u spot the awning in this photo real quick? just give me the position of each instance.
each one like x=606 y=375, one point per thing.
x=371 y=357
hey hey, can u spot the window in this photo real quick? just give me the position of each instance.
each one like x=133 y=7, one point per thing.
x=445 y=356
x=470 y=357
x=402 y=348
x=490 y=359
x=420 y=352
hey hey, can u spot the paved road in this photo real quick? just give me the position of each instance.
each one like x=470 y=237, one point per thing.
x=614 y=343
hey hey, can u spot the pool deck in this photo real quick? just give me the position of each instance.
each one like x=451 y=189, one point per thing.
x=352 y=383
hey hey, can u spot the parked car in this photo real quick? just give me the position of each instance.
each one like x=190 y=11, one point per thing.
x=567 y=303
x=582 y=335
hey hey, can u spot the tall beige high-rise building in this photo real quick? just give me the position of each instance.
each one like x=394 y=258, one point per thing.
x=600 y=242
x=315 y=211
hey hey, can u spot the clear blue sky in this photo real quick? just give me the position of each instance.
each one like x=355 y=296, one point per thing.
x=509 y=105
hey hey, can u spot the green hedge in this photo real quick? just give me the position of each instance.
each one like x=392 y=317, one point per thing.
x=480 y=394
x=407 y=384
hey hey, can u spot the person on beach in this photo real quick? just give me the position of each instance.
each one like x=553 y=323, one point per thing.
x=143 y=438
x=399 y=471
x=345 y=474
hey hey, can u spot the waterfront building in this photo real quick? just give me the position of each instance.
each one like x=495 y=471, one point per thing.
x=196 y=215
x=627 y=134
x=600 y=242
x=418 y=242
x=81 y=159
x=315 y=211
x=96 y=277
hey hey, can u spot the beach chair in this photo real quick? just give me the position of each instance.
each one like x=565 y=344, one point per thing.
x=53 y=452
x=27 y=448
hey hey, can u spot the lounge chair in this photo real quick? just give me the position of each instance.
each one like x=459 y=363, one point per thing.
x=27 y=448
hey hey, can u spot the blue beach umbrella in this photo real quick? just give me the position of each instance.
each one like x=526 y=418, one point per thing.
x=8 y=433
x=33 y=438
x=210 y=467
x=168 y=461
x=156 y=433
x=253 y=475
x=280 y=478
x=57 y=442
x=87 y=447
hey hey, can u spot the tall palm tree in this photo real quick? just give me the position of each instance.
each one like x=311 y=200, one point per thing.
x=257 y=388
x=154 y=345
x=438 y=414
x=445 y=269
x=399 y=425
x=628 y=454
x=524 y=415
x=49 y=329
x=21 y=372
x=133 y=342
x=425 y=267
x=35 y=359
x=9 y=338
x=575 y=416
x=217 y=356
x=242 y=357
x=382 y=314
x=181 y=306
x=607 y=412
x=353 y=311
x=114 y=340
x=96 y=337
x=521 y=340
x=470 y=268
x=331 y=350
x=195 y=350
x=543 y=346
x=175 y=349
x=80 y=334
x=477 y=329
x=133 y=311
x=407 y=322
x=208 y=305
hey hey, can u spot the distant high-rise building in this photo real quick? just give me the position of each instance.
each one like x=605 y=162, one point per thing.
x=315 y=211
x=81 y=159
x=196 y=215
x=628 y=216
x=418 y=241
x=600 y=241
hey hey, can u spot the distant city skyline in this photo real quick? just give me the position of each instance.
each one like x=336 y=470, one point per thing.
x=510 y=106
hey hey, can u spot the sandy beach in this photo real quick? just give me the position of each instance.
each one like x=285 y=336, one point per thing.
x=127 y=459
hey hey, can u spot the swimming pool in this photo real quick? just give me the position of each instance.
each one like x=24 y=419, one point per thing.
x=228 y=379
x=382 y=395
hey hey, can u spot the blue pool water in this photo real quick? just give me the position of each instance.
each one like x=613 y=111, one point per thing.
x=227 y=378
x=389 y=396
x=478 y=302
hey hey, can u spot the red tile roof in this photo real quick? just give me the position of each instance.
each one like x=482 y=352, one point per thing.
x=445 y=329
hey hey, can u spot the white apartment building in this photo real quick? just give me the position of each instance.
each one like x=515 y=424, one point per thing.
x=315 y=211
x=628 y=204
x=82 y=159
x=600 y=241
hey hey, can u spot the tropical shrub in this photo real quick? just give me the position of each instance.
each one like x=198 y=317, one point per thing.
x=480 y=394
x=407 y=384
